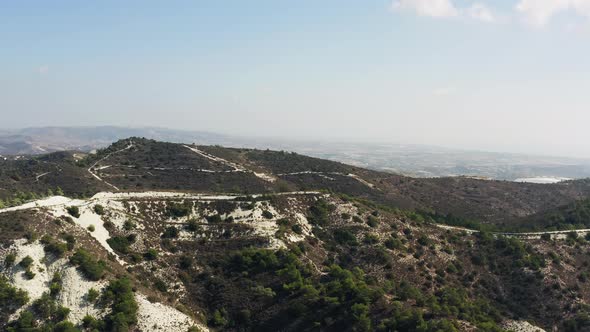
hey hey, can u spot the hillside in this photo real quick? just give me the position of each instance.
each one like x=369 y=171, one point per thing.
x=408 y=159
x=140 y=165
x=149 y=236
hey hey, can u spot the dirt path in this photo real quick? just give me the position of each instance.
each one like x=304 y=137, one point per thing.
x=235 y=167
x=40 y=176
x=326 y=175
x=103 y=167
x=523 y=235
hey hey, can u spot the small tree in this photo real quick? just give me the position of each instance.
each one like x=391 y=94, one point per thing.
x=151 y=254
x=74 y=211
x=92 y=295
x=26 y=262
x=99 y=209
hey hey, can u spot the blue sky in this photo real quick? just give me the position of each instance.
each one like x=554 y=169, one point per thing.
x=506 y=75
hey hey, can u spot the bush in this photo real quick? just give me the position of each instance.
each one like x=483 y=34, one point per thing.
x=91 y=228
x=70 y=241
x=297 y=229
x=92 y=269
x=92 y=295
x=372 y=221
x=219 y=318
x=185 y=262
x=120 y=244
x=92 y=324
x=151 y=254
x=179 y=210
x=9 y=260
x=392 y=244
x=123 y=313
x=26 y=262
x=30 y=274
x=267 y=214
x=65 y=326
x=423 y=240
x=53 y=247
x=73 y=211
x=46 y=308
x=55 y=286
x=214 y=218
x=192 y=226
x=344 y=236
x=99 y=209
x=129 y=225
x=170 y=232
x=319 y=212
x=161 y=285
x=11 y=298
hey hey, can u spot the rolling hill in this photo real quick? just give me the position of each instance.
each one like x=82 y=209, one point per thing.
x=147 y=235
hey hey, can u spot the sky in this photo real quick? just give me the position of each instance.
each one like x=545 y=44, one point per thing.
x=502 y=75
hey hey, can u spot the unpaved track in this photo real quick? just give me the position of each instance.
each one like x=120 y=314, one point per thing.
x=105 y=157
x=523 y=235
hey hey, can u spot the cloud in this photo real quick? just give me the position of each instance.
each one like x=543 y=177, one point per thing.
x=444 y=9
x=539 y=12
x=43 y=69
x=431 y=8
x=480 y=12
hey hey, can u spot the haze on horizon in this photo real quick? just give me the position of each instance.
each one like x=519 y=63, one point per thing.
x=507 y=75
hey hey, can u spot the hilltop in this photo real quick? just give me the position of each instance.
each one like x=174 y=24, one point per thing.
x=138 y=164
x=147 y=235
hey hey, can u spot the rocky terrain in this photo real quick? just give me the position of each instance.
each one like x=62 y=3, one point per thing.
x=153 y=236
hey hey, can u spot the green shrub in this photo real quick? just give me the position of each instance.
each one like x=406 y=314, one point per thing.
x=73 y=211
x=344 y=236
x=123 y=315
x=219 y=318
x=319 y=212
x=9 y=260
x=92 y=295
x=129 y=225
x=372 y=221
x=26 y=262
x=53 y=247
x=161 y=285
x=192 y=226
x=179 y=210
x=11 y=298
x=56 y=285
x=185 y=262
x=120 y=244
x=65 y=326
x=297 y=229
x=170 y=232
x=216 y=218
x=392 y=244
x=99 y=209
x=92 y=269
x=151 y=254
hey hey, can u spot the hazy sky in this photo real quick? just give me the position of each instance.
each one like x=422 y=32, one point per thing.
x=504 y=75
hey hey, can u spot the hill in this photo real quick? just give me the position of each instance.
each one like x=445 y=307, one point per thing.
x=146 y=235
x=414 y=160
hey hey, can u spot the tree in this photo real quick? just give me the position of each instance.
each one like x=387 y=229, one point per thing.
x=99 y=209
x=74 y=211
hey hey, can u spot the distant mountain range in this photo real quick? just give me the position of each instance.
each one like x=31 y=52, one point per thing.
x=413 y=160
